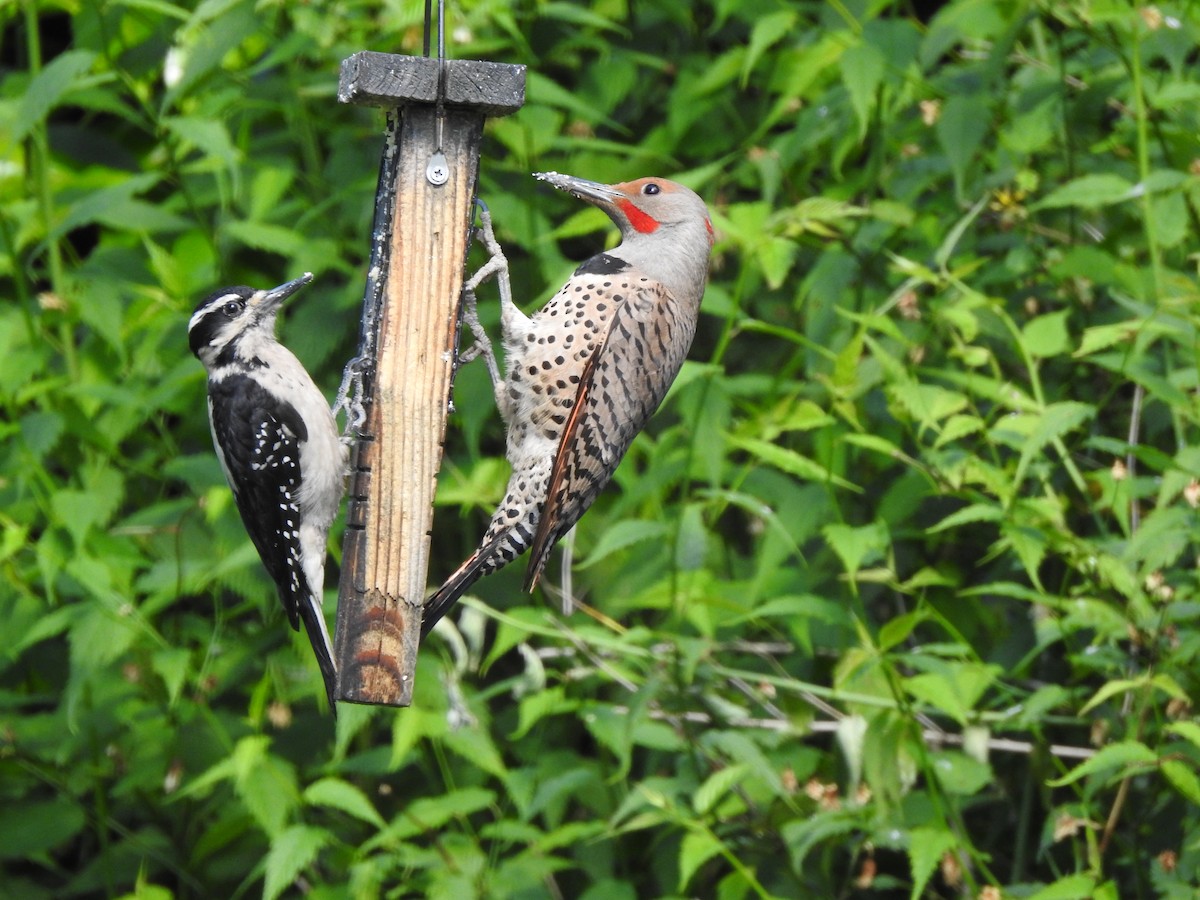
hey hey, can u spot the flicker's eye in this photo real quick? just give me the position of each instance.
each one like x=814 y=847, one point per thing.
x=651 y=188
x=232 y=308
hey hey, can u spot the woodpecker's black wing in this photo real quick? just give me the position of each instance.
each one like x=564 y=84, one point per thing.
x=257 y=437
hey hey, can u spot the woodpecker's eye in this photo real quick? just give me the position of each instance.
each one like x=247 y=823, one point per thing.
x=232 y=308
x=651 y=188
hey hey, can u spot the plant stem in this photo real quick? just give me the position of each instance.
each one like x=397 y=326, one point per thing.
x=38 y=151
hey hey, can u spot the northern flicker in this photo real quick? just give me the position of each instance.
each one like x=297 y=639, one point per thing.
x=585 y=373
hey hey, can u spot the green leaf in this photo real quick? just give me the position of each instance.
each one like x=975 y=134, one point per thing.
x=862 y=67
x=788 y=461
x=697 y=848
x=47 y=88
x=172 y=665
x=1101 y=337
x=291 y=852
x=1088 y=192
x=897 y=629
x=208 y=135
x=961 y=127
x=265 y=783
x=775 y=257
x=969 y=515
x=429 y=813
x=1046 y=335
x=621 y=535
x=1189 y=731
x=857 y=546
x=33 y=829
x=1124 y=755
x=803 y=834
x=477 y=748
x=1184 y=779
x=926 y=847
x=342 y=795
x=263 y=236
x=692 y=539
x=1111 y=689
x=1072 y=887
x=959 y=774
x=768 y=30
x=538 y=705
x=1052 y=423
x=1162 y=538
x=716 y=786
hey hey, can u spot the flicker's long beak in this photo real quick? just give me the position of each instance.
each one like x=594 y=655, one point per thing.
x=264 y=303
x=591 y=191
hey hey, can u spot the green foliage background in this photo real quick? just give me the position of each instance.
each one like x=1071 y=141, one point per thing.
x=897 y=595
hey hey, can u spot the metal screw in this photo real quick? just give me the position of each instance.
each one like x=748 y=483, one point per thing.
x=437 y=172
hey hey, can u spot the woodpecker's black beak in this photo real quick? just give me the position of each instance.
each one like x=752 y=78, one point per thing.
x=591 y=191
x=264 y=303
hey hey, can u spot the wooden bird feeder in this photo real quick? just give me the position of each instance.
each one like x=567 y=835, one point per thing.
x=411 y=318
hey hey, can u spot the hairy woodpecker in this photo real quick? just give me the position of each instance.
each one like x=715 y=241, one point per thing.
x=278 y=444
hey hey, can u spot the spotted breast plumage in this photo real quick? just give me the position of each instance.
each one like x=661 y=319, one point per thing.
x=586 y=372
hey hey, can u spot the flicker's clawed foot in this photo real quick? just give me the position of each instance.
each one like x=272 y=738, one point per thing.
x=497 y=267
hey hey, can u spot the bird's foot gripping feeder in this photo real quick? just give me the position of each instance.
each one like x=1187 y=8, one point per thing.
x=496 y=267
x=411 y=315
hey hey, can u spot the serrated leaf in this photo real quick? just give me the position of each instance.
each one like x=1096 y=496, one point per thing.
x=265 y=783
x=1111 y=689
x=1189 y=731
x=1088 y=192
x=1184 y=779
x=691 y=542
x=172 y=665
x=926 y=847
x=1161 y=539
x=802 y=835
x=696 y=848
x=716 y=786
x=969 y=515
x=775 y=256
x=1046 y=335
x=1072 y=887
x=47 y=88
x=961 y=127
x=32 y=829
x=1122 y=755
x=291 y=852
x=207 y=135
x=898 y=628
x=1053 y=422
x=1101 y=337
x=624 y=534
x=476 y=747
x=788 y=461
x=958 y=773
x=264 y=236
x=862 y=68
x=534 y=707
x=857 y=546
x=768 y=30
x=430 y=813
x=341 y=795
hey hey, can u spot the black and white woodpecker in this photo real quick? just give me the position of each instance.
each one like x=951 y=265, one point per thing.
x=278 y=444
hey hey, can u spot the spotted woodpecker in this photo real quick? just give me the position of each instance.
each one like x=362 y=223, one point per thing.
x=278 y=445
